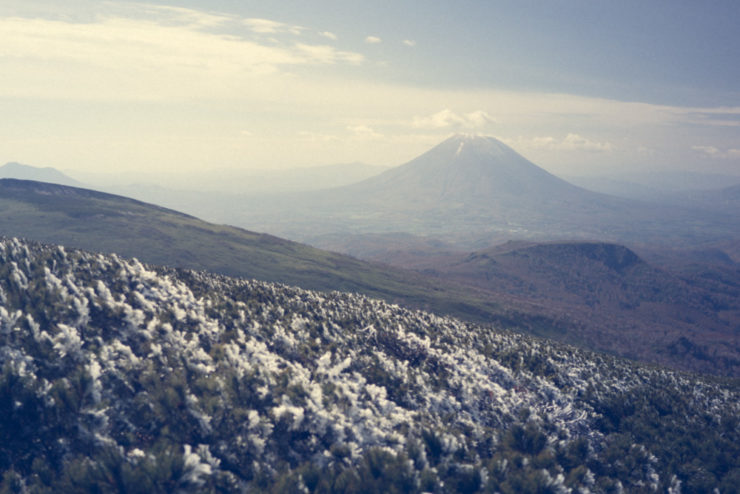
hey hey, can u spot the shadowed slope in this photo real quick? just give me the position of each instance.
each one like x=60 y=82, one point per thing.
x=611 y=299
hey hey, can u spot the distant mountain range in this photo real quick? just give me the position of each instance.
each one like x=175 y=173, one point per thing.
x=27 y=172
x=235 y=181
x=287 y=179
x=654 y=186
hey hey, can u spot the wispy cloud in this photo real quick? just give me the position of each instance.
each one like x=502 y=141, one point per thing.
x=571 y=142
x=373 y=40
x=325 y=54
x=168 y=14
x=363 y=132
x=328 y=35
x=409 y=42
x=173 y=52
x=712 y=117
x=715 y=152
x=448 y=119
x=267 y=26
x=178 y=85
x=316 y=137
x=575 y=142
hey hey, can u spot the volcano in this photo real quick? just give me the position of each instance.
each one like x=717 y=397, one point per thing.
x=466 y=185
x=465 y=170
x=474 y=191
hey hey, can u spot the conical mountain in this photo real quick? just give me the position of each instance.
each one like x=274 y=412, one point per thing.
x=465 y=184
x=474 y=191
x=467 y=169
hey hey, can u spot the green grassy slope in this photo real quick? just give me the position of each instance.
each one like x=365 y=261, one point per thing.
x=107 y=223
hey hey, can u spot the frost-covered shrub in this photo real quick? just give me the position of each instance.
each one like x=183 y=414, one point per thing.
x=121 y=377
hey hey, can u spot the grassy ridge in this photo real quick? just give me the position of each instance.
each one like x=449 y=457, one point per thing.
x=107 y=223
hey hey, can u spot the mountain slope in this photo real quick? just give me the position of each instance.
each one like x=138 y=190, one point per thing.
x=654 y=186
x=608 y=299
x=27 y=172
x=121 y=378
x=474 y=191
x=465 y=170
x=106 y=223
x=724 y=200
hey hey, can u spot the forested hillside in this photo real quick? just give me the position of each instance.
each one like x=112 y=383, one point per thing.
x=120 y=377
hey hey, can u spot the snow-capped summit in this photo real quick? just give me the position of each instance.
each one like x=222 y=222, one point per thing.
x=479 y=143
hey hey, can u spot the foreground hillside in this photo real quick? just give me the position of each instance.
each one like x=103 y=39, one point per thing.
x=117 y=377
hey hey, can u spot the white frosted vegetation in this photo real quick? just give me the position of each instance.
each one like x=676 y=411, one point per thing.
x=283 y=369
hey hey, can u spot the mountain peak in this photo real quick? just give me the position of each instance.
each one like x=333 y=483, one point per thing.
x=464 y=172
x=464 y=137
x=478 y=144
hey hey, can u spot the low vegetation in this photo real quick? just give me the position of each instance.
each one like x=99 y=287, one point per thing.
x=118 y=377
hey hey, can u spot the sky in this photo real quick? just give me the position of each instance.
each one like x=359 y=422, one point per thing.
x=163 y=87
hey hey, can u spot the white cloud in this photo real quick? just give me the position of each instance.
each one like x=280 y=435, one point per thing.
x=708 y=151
x=575 y=142
x=267 y=26
x=168 y=56
x=449 y=119
x=168 y=14
x=325 y=54
x=373 y=40
x=478 y=119
x=363 y=132
x=715 y=152
x=409 y=42
x=316 y=137
x=328 y=35
x=177 y=86
x=711 y=117
x=571 y=142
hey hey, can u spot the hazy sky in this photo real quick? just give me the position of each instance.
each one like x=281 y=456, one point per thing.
x=577 y=86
